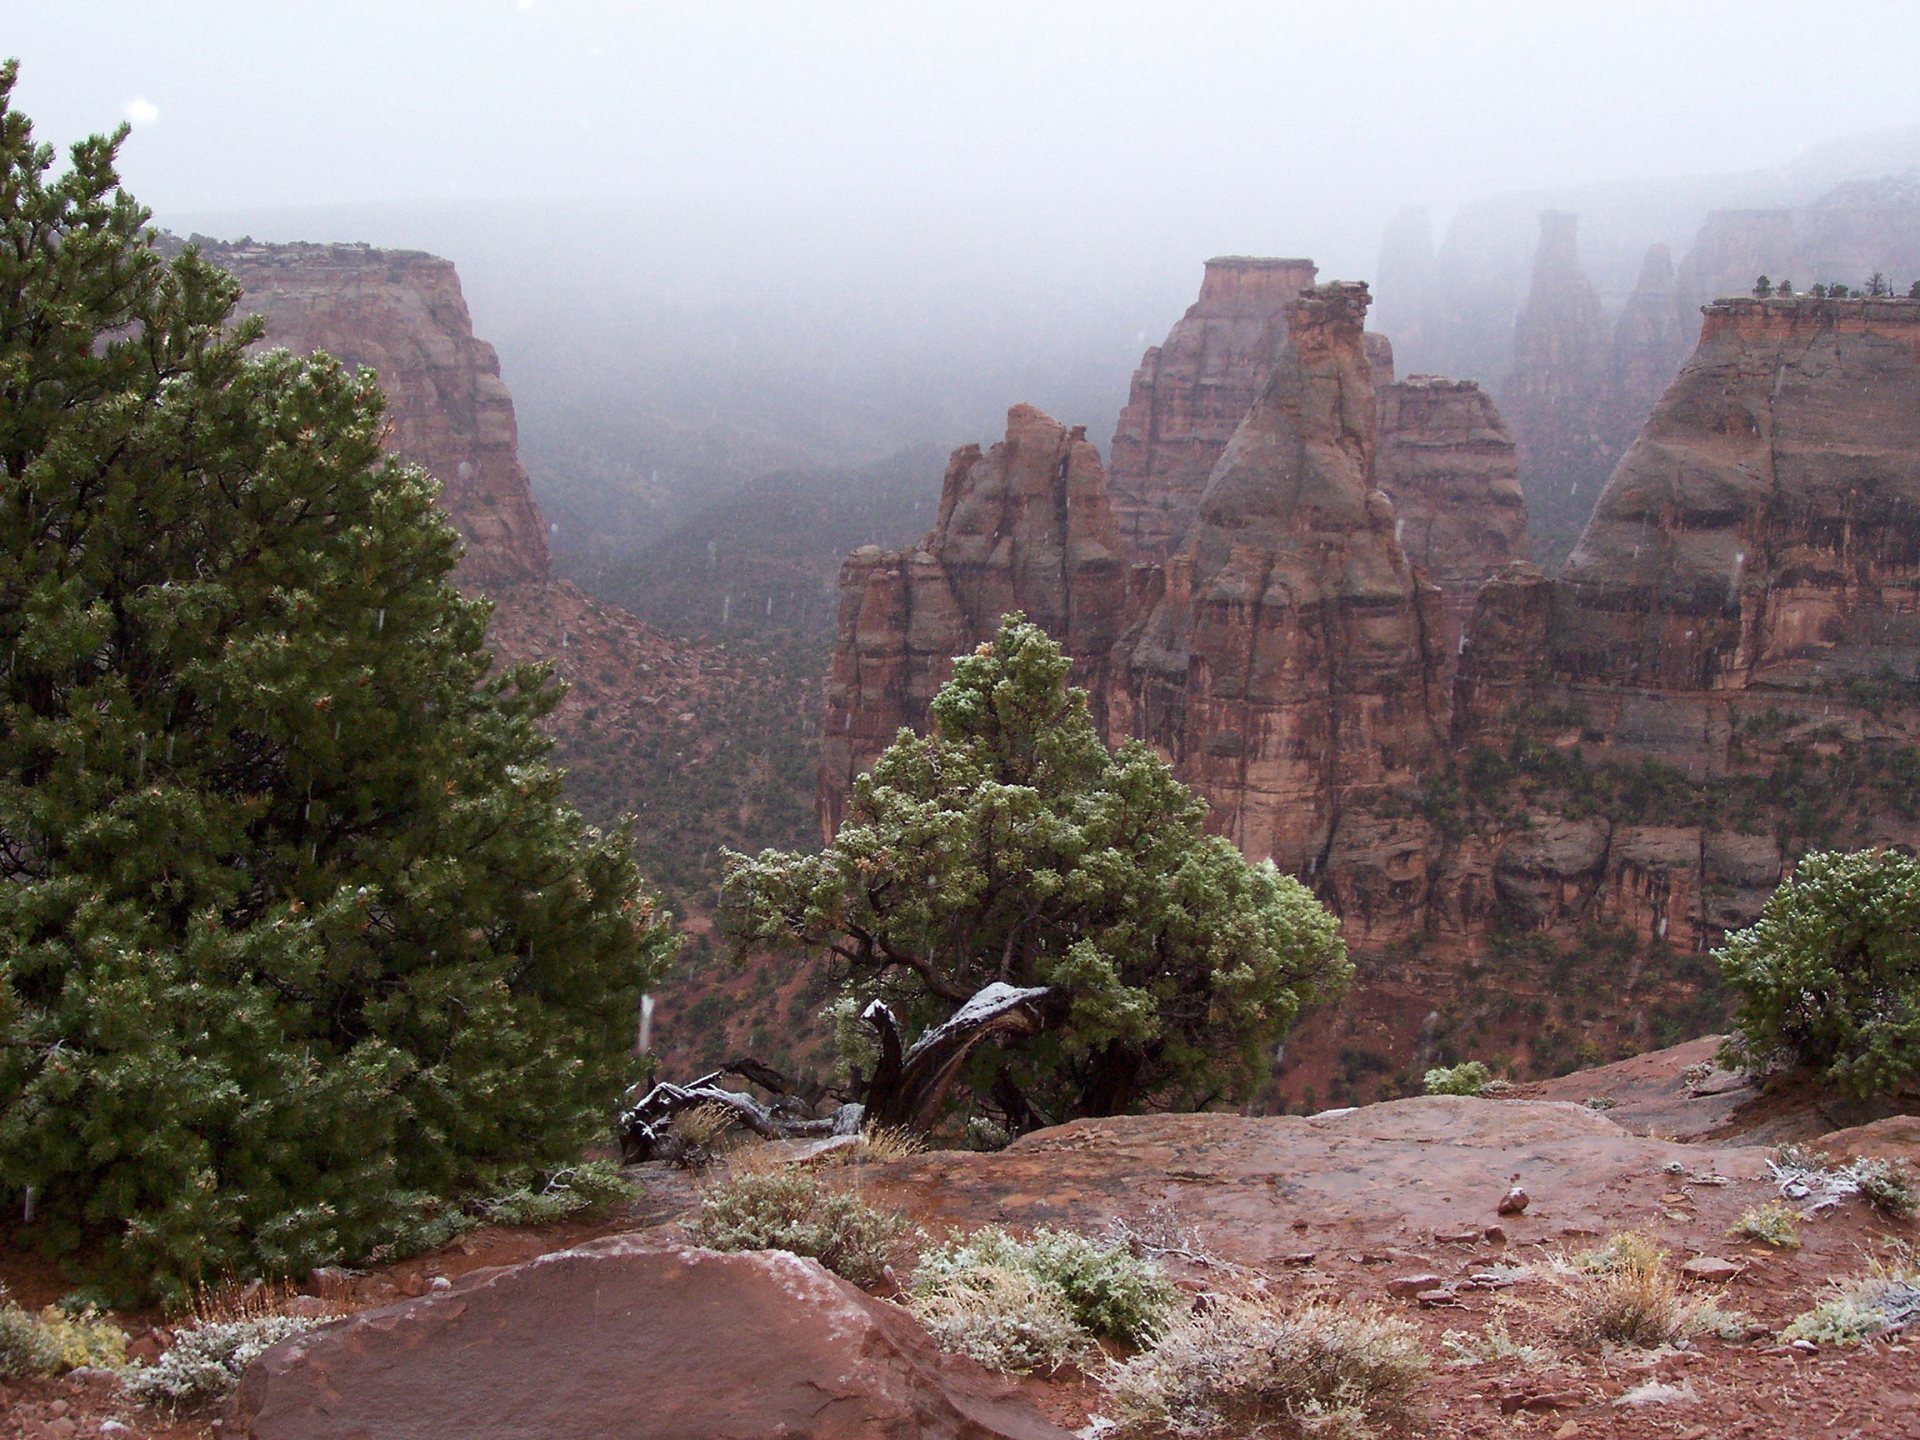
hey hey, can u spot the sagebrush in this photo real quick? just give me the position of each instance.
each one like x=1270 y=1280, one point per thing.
x=1109 y=1292
x=794 y=1209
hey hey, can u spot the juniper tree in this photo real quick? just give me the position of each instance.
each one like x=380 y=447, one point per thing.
x=297 y=939
x=1010 y=845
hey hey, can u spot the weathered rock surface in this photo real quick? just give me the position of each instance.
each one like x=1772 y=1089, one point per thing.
x=1650 y=340
x=401 y=313
x=1847 y=234
x=627 y=1339
x=1294 y=663
x=1191 y=393
x=1447 y=462
x=1023 y=526
x=1554 y=396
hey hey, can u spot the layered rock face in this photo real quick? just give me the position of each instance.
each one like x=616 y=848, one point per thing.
x=1293 y=664
x=401 y=313
x=1649 y=343
x=1554 y=395
x=637 y=724
x=1026 y=526
x=1446 y=461
x=1846 y=235
x=1192 y=391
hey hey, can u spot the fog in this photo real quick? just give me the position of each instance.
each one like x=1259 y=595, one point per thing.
x=713 y=239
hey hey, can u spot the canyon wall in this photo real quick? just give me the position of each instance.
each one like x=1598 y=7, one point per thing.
x=641 y=724
x=401 y=313
x=1191 y=393
x=1025 y=526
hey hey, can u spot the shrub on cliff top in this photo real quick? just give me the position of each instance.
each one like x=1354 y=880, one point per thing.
x=297 y=941
x=1828 y=978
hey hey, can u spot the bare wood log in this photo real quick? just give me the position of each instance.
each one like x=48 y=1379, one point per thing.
x=908 y=1088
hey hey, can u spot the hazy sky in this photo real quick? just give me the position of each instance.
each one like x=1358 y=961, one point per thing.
x=1314 y=120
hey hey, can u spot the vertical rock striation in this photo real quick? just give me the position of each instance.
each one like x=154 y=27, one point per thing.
x=1292 y=666
x=1554 y=396
x=1023 y=526
x=1191 y=392
x=401 y=313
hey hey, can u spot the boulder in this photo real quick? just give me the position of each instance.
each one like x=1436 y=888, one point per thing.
x=626 y=1339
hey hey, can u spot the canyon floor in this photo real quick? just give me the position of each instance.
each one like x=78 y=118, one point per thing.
x=620 y=1329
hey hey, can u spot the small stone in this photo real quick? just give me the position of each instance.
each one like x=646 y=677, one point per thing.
x=309 y=1307
x=1711 y=1268
x=1567 y=1431
x=58 y=1407
x=440 y=1282
x=1302 y=1257
x=144 y=1348
x=1435 y=1298
x=1554 y=1400
x=1413 y=1284
x=1805 y=1347
x=1460 y=1237
x=412 y=1284
x=1513 y=1202
x=1654 y=1392
x=1494 y=1235
x=63 y=1428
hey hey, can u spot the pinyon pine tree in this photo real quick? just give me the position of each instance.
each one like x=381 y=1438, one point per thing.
x=297 y=940
x=1010 y=846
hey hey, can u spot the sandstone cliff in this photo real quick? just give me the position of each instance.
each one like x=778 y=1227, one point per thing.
x=401 y=313
x=1192 y=391
x=1650 y=340
x=650 y=723
x=1447 y=462
x=1554 y=395
x=1294 y=664
x=1023 y=526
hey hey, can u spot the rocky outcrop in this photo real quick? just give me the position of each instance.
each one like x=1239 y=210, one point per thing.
x=1846 y=235
x=1447 y=462
x=1293 y=665
x=1191 y=393
x=1023 y=526
x=1554 y=395
x=1650 y=341
x=401 y=313
x=615 y=1340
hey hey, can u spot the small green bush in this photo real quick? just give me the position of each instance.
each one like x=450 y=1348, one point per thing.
x=1828 y=978
x=206 y=1360
x=1888 y=1186
x=792 y=1209
x=54 y=1341
x=1774 y=1223
x=1467 y=1078
x=576 y=1190
x=1108 y=1290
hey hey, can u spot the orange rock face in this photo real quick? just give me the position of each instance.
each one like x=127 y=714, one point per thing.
x=1295 y=661
x=1191 y=393
x=1023 y=526
x=401 y=314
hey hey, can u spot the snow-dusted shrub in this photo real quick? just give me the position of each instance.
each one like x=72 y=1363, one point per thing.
x=1107 y=1290
x=206 y=1360
x=1240 y=1366
x=51 y=1341
x=1004 y=1318
x=793 y=1209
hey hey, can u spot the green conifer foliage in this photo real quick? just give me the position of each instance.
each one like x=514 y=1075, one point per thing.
x=297 y=939
x=1010 y=845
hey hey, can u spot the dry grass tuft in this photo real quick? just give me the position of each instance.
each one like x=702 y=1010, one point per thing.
x=1624 y=1293
x=1249 y=1366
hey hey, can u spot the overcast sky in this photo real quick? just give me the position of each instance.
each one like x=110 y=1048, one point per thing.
x=1315 y=120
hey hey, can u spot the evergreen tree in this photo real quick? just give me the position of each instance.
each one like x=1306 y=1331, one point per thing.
x=1785 y=287
x=297 y=940
x=1010 y=845
x=1762 y=288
